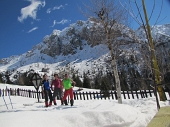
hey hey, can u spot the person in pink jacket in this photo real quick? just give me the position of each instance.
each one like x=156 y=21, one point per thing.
x=58 y=88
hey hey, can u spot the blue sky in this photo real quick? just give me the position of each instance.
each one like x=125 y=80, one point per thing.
x=24 y=23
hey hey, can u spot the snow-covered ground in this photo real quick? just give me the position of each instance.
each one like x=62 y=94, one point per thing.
x=27 y=112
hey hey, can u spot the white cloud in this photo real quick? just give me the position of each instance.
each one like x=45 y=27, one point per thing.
x=58 y=7
x=32 y=29
x=31 y=10
x=55 y=8
x=54 y=22
x=61 y=22
x=48 y=10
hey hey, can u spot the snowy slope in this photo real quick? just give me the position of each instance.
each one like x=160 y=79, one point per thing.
x=27 y=112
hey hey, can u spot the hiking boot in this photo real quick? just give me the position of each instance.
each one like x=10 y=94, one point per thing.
x=71 y=102
x=50 y=104
x=65 y=102
x=54 y=102
x=61 y=102
x=46 y=104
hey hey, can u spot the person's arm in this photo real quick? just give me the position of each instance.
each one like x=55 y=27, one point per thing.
x=62 y=85
x=51 y=84
x=73 y=82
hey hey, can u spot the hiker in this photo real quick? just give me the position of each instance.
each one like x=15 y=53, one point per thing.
x=67 y=84
x=56 y=83
x=46 y=90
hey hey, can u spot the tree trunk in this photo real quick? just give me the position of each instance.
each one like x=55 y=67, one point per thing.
x=114 y=65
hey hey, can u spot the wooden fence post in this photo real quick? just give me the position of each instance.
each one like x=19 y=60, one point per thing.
x=132 y=94
x=32 y=93
x=39 y=95
x=101 y=95
x=137 y=94
x=15 y=92
x=80 y=95
x=18 y=92
x=112 y=95
x=21 y=92
x=104 y=95
x=115 y=94
x=87 y=96
x=90 y=95
x=150 y=93
x=29 y=93
x=3 y=91
x=145 y=94
x=128 y=94
x=24 y=93
x=141 y=93
x=77 y=95
x=124 y=95
x=94 y=95
x=10 y=91
x=97 y=95
x=84 y=96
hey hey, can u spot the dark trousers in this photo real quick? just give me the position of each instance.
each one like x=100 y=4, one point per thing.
x=58 y=93
x=48 y=94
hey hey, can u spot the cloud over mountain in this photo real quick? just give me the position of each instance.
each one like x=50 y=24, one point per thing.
x=31 y=10
x=60 y=22
x=55 y=8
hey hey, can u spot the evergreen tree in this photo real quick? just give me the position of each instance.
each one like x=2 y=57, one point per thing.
x=25 y=79
x=86 y=81
x=1 y=81
x=77 y=80
x=74 y=77
x=7 y=76
x=97 y=83
x=123 y=79
x=105 y=86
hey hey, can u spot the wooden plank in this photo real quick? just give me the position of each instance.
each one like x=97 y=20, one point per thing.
x=161 y=119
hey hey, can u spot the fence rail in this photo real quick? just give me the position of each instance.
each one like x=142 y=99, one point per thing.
x=82 y=95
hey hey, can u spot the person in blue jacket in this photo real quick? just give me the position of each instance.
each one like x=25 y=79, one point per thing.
x=46 y=90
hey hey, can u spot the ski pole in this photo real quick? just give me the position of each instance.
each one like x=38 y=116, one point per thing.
x=9 y=98
x=4 y=101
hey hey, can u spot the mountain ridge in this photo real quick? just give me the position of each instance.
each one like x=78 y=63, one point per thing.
x=72 y=47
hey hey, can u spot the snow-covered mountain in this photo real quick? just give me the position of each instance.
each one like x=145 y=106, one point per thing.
x=72 y=48
x=159 y=32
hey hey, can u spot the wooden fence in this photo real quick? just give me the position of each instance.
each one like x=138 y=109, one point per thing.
x=82 y=95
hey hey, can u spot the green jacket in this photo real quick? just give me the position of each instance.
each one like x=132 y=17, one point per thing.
x=67 y=83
